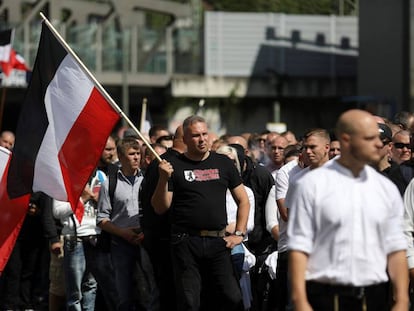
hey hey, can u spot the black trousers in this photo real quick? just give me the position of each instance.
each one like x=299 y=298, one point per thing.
x=325 y=297
x=196 y=259
x=20 y=272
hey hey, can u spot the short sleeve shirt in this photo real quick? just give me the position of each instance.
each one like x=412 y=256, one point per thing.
x=199 y=191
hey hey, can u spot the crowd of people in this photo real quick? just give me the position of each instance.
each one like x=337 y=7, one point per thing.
x=321 y=220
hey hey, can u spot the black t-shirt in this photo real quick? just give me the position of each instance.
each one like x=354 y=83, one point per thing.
x=199 y=191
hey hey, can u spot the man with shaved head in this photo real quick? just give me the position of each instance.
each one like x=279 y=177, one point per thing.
x=345 y=228
x=275 y=152
x=7 y=139
x=239 y=140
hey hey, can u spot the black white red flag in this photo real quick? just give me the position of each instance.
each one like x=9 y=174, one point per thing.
x=63 y=126
x=16 y=61
x=12 y=212
x=6 y=37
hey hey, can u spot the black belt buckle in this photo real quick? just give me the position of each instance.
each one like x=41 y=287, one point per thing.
x=360 y=292
x=350 y=291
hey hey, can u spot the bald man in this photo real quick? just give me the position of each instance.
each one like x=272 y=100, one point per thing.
x=275 y=152
x=7 y=139
x=345 y=228
x=239 y=140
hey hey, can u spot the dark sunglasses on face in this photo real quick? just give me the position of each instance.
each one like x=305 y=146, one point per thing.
x=402 y=145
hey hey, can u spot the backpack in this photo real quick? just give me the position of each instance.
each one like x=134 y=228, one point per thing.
x=113 y=179
x=104 y=239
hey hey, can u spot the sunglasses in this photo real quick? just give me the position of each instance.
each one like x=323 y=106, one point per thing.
x=402 y=145
x=167 y=137
x=385 y=141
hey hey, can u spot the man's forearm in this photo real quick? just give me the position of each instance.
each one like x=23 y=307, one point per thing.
x=282 y=209
x=109 y=227
x=275 y=232
x=242 y=216
x=297 y=269
x=240 y=196
x=398 y=272
x=161 y=198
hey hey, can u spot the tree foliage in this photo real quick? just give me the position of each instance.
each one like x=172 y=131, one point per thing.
x=278 y=6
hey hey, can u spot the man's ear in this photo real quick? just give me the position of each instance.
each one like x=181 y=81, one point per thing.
x=345 y=138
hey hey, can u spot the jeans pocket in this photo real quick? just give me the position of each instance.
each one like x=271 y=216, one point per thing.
x=70 y=245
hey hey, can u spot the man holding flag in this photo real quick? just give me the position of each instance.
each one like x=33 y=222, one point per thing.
x=65 y=112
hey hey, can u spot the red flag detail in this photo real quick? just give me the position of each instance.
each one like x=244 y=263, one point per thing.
x=79 y=210
x=98 y=117
x=12 y=213
x=16 y=61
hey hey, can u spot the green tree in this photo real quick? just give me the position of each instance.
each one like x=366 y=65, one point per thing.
x=278 y=6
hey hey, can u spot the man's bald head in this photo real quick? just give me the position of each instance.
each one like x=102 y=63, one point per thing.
x=238 y=140
x=179 y=133
x=7 y=139
x=358 y=133
x=178 y=143
x=350 y=121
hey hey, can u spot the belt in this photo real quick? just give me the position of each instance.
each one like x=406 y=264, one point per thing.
x=74 y=238
x=342 y=290
x=201 y=233
x=213 y=233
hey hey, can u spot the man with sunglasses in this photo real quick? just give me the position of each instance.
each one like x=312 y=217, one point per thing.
x=385 y=166
x=401 y=147
x=403 y=170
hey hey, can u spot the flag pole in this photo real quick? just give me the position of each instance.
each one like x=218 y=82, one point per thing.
x=2 y=104
x=200 y=106
x=4 y=89
x=98 y=85
x=143 y=114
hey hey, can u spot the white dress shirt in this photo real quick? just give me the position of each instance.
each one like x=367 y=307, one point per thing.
x=283 y=177
x=231 y=208
x=347 y=225
x=409 y=222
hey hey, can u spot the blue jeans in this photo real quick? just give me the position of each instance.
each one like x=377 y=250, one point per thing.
x=80 y=284
x=197 y=259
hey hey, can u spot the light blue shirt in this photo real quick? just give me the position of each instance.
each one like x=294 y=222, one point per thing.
x=125 y=211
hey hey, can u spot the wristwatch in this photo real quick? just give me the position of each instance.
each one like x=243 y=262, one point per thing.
x=239 y=233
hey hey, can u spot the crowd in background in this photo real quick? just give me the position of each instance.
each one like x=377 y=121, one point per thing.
x=118 y=256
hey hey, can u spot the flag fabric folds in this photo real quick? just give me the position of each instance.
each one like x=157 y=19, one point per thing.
x=6 y=37
x=16 y=61
x=12 y=212
x=62 y=128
